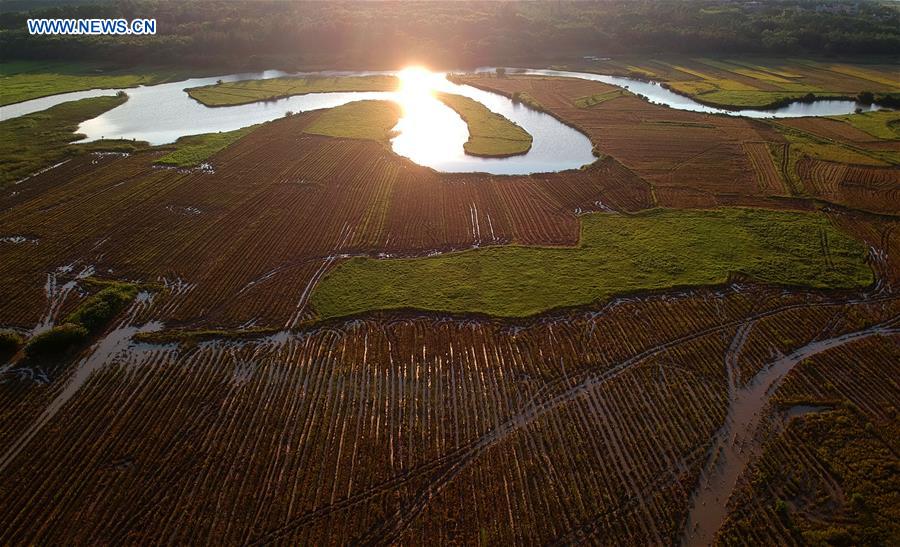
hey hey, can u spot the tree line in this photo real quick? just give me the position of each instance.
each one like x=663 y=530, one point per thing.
x=454 y=34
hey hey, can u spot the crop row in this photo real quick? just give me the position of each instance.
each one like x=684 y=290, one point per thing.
x=690 y=159
x=577 y=426
x=874 y=189
x=828 y=472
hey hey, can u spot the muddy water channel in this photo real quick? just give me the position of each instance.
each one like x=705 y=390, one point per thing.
x=735 y=446
x=430 y=133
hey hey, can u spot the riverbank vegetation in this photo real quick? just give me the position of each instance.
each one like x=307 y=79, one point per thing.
x=250 y=91
x=490 y=134
x=35 y=141
x=617 y=254
x=26 y=80
x=372 y=120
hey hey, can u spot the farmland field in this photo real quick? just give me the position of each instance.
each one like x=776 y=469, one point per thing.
x=761 y=83
x=289 y=334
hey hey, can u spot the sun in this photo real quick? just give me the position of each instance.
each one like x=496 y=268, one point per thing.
x=416 y=80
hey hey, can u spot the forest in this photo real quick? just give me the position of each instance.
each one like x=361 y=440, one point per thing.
x=451 y=34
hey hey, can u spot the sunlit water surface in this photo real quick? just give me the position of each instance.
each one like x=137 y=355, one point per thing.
x=429 y=132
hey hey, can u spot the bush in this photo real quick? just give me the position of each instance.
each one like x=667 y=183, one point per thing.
x=783 y=512
x=858 y=501
x=56 y=340
x=9 y=342
x=95 y=312
x=865 y=97
x=889 y=100
x=501 y=72
x=90 y=317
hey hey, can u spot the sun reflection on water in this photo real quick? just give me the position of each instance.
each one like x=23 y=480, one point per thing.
x=428 y=129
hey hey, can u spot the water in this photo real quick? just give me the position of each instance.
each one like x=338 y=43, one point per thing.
x=430 y=133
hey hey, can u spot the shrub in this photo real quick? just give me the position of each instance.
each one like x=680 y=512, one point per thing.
x=95 y=312
x=857 y=500
x=889 y=100
x=56 y=340
x=9 y=342
x=865 y=97
x=783 y=511
x=90 y=317
x=501 y=72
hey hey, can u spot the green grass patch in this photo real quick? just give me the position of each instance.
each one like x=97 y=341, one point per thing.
x=98 y=310
x=251 y=91
x=193 y=150
x=490 y=134
x=35 y=141
x=111 y=145
x=26 y=80
x=56 y=341
x=598 y=98
x=373 y=120
x=617 y=254
x=707 y=93
x=10 y=342
x=882 y=124
x=526 y=98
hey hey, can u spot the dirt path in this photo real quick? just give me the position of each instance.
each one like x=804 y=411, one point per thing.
x=735 y=447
